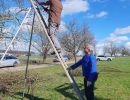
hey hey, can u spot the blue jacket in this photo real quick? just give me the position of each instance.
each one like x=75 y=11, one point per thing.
x=89 y=68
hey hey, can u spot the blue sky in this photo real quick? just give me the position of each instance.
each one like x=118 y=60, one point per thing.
x=108 y=20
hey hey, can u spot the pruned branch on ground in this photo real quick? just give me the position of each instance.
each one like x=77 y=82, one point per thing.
x=10 y=83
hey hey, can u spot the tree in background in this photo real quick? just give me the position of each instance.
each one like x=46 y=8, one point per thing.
x=111 y=49
x=9 y=14
x=114 y=49
x=75 y=37
x=124 y=51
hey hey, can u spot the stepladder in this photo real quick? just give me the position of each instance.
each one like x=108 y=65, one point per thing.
x=59 y=55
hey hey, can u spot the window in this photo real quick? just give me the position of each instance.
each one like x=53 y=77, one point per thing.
x=10 y=57
x=7 y=57
x=101 y=56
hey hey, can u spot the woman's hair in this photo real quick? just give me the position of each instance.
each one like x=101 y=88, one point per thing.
x=90 y=47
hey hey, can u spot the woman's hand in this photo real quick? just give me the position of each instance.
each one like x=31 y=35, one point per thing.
x=69 y=68
x=89 y=83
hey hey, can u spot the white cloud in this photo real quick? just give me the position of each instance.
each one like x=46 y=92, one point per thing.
x=99 y=47
x=101 y=14
x=23 y=46
x=119 y=34
x=28 y=24
x=125 y=30
x=91 y=16
x=26 y=27
x=20 y=45
x=117 y=38
x=75 y=6
x=99 y=1
x=127 y=44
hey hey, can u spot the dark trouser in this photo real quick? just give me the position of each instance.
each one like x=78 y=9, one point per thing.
x=89 y=91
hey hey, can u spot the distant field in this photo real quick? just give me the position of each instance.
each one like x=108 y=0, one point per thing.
x=33 y=60
x=113 y=82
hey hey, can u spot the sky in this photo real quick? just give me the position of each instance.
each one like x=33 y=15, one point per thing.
x=108 y=20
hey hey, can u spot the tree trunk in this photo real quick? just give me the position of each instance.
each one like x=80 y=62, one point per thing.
x=75 y=57
x=44 y=55
x=45 y=51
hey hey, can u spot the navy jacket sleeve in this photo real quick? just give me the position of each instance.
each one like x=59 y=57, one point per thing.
x=93 y=73
x=76 y=64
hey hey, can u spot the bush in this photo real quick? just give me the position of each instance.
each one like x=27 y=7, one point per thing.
x=10 y=83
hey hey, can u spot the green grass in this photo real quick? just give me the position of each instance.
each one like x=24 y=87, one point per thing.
x=113 y=83
x=114 y=80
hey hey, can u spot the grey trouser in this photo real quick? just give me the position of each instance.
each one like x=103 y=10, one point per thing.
x=52 y=29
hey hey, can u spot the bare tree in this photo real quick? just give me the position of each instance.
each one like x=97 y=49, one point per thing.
x=42 y=45
x=71 y=39
x=124 y=51
x=105 y=49
x=75 y=38
x=20 y=3
x=111 y=49
x=8 y=16
x=87 y=36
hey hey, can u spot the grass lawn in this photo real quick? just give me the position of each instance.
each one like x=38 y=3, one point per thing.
x=113 y=83
x=33 y=60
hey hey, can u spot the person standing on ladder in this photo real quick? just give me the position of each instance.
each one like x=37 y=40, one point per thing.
x=53 y=20
x=89 y=68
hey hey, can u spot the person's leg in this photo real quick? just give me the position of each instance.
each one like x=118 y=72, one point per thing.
x=85 y=87
x=89 y=91
x=52 y=28
x=56 y=42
